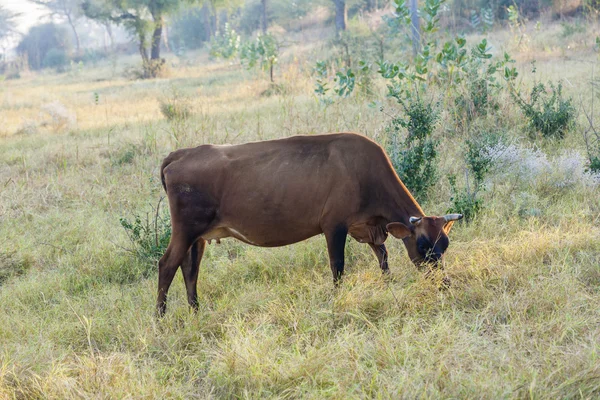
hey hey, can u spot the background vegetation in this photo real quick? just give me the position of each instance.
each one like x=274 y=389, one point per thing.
x=495 y=114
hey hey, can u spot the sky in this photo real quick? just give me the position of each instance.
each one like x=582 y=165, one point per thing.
x=30 y=15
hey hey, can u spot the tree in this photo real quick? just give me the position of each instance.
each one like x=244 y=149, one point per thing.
x=340 y=15
x=68 y=9
x=263 y=13
x=141 y=17
x=46 y=46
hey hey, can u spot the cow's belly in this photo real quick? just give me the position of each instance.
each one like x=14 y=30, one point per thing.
x=261 y=237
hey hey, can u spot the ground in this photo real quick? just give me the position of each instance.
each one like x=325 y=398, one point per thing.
x=521 y=319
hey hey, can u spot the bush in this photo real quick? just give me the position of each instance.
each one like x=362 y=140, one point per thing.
x=414 y=158
x=225 y=44
x=464 y=201
x=175 y=106
x=479 y=162
x=150 y=234
x=262 y=52
x=56 y=58
x=478 y=158
x=60 y=117
x=190 y=28
x=548 y=113
x=45 y=45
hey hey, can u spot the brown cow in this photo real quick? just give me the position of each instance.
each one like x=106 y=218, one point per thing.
x=279 y=192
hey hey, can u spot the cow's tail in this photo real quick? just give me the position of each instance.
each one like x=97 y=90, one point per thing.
x=168 y=160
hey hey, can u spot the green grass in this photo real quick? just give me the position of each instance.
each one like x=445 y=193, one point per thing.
x=521 y=319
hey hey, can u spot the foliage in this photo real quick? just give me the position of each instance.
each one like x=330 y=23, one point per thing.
x=464 y=201
x=478 y=158
x=188 y=29
x=322 y=83
x=415 y=157
x=548 y=113
x=142 y=18
x=149 y=234
x=45 y=40
x=56 y=58
x=225 y=44
x=175 y=106
x=61 y=117
x=262 y=52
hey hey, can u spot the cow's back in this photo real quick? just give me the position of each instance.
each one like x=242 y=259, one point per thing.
x=277 y=192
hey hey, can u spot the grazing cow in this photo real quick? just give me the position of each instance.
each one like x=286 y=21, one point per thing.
x=279 y=192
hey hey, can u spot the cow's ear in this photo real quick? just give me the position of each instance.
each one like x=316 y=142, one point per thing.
x=398 y=230
x=448 y=226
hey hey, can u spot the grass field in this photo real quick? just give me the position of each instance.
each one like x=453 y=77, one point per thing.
x=521 y=319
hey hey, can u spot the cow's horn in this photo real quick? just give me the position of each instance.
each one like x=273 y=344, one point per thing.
x=452 y=217
x=414 y=220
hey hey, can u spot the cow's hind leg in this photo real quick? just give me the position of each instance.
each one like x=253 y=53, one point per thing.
x=382 y=256
x=167 y=266
x=191 y=215
x=189 y=268
x=336 y=242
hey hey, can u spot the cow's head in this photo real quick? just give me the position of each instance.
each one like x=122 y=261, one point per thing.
x=426 y=238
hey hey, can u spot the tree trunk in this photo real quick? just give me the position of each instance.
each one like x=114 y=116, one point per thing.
x=207 y=22
x=143 y=49
x=156 y=35
x=340 y=15
x=415 y=28
x=77 y=42
x=264 y=21
x=110 y=35
x=166 y=37
x=214 y=18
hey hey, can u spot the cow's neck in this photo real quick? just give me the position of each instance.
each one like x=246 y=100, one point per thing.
x=403 y=204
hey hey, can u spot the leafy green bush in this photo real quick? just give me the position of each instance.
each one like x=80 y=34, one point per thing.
x=479 y=160
x=548 y=113
x=174 y=106
x=594 y=165
x=464 y=201
x=262 y=52
x=42 y=40
x=149 y=235
x=56 y=58
x=415 y=157
x=225 y=44
x=478 y=157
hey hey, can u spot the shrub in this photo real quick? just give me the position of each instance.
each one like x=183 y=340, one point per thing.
x=414 y=158
x=594 y=165
x=548 y=113
x=60 y=117
x=479 y=161
x=149 y=234
x=42 y=40
x=174 y=106
x=225 y=44
x=262 y=52
x=56 y=58
x=464 y=201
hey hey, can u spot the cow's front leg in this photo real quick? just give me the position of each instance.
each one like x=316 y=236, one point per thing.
x=336 y=242
x=382 y=256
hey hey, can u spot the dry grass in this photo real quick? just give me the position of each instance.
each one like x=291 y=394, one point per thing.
x=521 y=320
